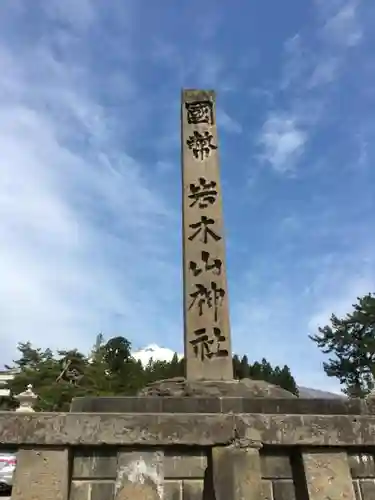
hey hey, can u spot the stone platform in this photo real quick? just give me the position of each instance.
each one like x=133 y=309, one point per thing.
x=181 y=387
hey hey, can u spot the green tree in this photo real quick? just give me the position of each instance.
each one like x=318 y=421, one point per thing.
x=236 y=366
x=351 y=343
x=109 y=369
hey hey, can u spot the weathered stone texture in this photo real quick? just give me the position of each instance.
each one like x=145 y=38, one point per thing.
x=194 y=392
x=367 y=489
x=284 y=490
x=67 y=429
x=208 y=352
x=267 y=490
x=211 y=397
x=328 y=476
x=140 y=475
x=92 y=490
x=41 y=474
x=93 y=463
x=172 y=489
x=362 y=465
x=192 y=489
x=185 y=464
x=276 y=465
x=236 y=473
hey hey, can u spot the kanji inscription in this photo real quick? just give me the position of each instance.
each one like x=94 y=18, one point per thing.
x=206 y=316
x=202 y=228
x=209 y=264
x=199 y=112
x=203 y=193
x=208 y=345
x=210 y=298
x=201 y=144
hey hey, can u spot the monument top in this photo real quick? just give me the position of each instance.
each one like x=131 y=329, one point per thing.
x=207 y=339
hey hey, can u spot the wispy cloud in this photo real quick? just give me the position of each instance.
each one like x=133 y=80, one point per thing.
x=341 y=23
x=74 y=204
x=282 y=141
x=311 y=62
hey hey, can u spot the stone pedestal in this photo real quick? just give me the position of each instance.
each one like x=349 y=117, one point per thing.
x=237 y=470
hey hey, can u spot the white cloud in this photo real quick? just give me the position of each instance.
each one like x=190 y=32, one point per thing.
x=341 y=24
x=283 y=142
x=84 y=236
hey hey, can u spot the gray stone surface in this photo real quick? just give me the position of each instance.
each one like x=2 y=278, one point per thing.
x=41 y=474
x=94 y=463
x=172 y=490
x=92 y=490
x=236 y=473
x=362 y=465
x=184 y=464
x=221 y=404
x=181 y=387
x=140 y=475
x=284 y=490
x=276 y=465
x=184 y=429
x=208 y=353
x=367 y=489
x=328 y=475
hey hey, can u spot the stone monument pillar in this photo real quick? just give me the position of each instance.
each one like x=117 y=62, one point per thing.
x=207 y=339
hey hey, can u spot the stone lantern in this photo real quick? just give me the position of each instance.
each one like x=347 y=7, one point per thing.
x=27 y=400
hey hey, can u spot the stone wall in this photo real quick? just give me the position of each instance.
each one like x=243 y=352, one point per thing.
x=184 y=456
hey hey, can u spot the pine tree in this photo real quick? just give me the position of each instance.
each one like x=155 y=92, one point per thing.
x=351 y=342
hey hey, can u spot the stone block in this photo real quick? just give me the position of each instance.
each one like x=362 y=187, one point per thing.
x=41 y=474
x=116 y=404
x=91 y=463
x=232 y=405
x=172 y=490
x=357 y=492
x=233 y=400
x=276 y=466
x=140 y=475
x=367 y=488
x=328 y=475
x=267 y=490
x=191 y=405
x=92 y=490
x=236 y=473
x=186 y=465
x=362 y=465
x=192 y=489
x=284 y=490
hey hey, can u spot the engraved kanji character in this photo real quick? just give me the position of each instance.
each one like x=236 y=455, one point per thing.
x=203 y=227
x=213 y=265
x=201 y=144
x=199 y=112
x=209 y=297
x=209 y=347
x=203 y=193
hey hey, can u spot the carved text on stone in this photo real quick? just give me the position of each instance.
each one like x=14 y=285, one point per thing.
x=199 y=112
x=204 y=193
x=210 y=298
x=202 y=227
x=209 y=346
x=201 y=144
x=210 y=264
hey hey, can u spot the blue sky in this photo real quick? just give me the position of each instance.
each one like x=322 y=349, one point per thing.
x=90 y=168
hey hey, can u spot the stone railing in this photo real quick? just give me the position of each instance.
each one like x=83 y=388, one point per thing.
x=264 y=454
